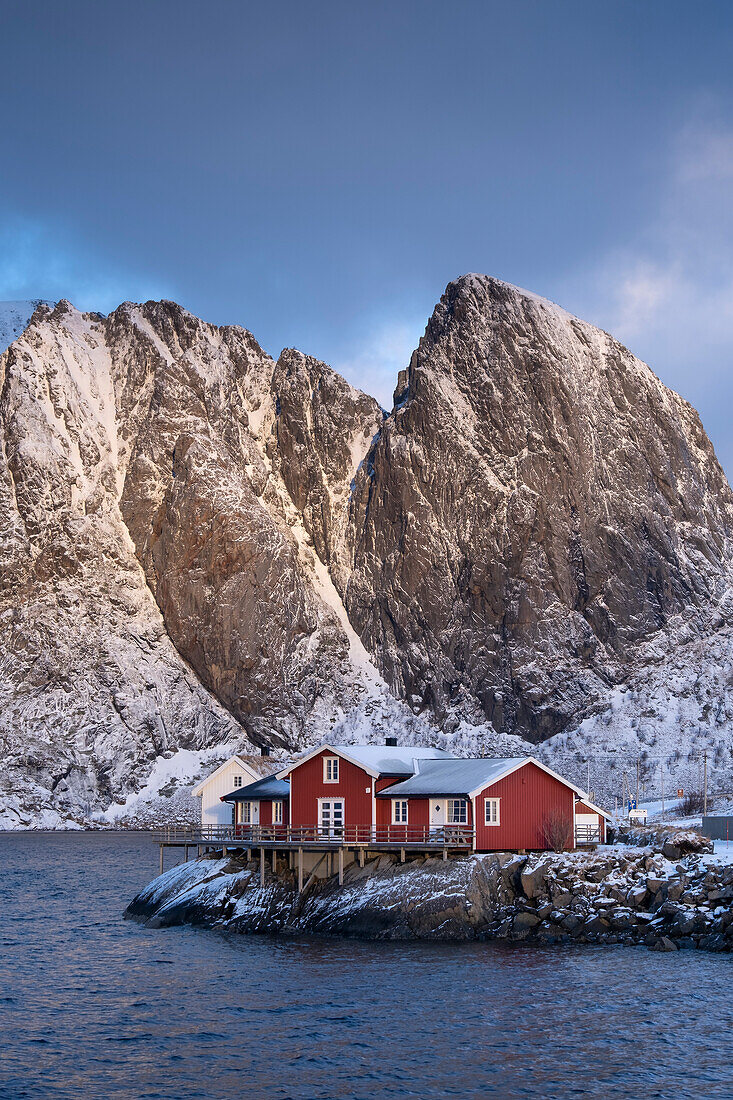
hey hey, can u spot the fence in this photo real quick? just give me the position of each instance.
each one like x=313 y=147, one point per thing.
x=718 y=828
x=422 y=836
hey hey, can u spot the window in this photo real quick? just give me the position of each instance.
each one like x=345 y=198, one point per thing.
x=330 y=769
x=399 y=811
x=491 y=811
x=237 y=781
x=331 y=816
x=457 y=811
x=277 y=813
x=246 y=813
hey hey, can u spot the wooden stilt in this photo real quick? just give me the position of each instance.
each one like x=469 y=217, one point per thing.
x=402 y=855
x=361 y=857
x=445 y=854
x=262 y=866
x=161 y=858
x=185 y=853
x=341 y=866
x=300 y=870
x=274 y=861
x=312 y=876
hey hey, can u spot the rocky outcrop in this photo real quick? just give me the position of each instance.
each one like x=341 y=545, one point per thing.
x=322 y=431
x=159 y=588
x=535 y=506
x=608 y=897
x=201 y=547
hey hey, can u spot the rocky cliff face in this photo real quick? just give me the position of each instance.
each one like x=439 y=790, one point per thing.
x=202 y=547
x=159 y=588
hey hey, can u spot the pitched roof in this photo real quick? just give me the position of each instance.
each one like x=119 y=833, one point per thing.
x=592 y=806
x=377 y=759
x=245 y=764
x=269 y=787
x=468 y=777
x=453 y=776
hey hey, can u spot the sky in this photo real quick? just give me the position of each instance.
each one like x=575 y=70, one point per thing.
x=319 y=171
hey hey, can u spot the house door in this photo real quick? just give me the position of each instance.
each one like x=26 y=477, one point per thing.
x=332 y=816
x=249 y=813
x=437 y=811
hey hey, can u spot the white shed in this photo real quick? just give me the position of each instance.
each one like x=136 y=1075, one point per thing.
x=233 y=773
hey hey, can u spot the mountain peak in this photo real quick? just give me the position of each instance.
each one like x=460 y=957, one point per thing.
x=15 y=316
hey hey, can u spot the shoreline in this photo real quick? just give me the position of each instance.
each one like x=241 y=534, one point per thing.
x=617 y=895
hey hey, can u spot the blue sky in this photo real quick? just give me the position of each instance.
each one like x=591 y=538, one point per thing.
x=319 y=171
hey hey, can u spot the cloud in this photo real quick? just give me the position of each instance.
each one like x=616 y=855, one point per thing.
x=668 y=292
x=375 y=356
x=43 y=261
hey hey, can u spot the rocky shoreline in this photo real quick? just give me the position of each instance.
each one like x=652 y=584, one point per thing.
x=668 y=896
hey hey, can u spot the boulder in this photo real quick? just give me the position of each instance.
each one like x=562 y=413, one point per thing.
x=664 y=943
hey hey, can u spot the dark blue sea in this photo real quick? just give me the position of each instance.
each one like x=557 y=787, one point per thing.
x=92 y=1006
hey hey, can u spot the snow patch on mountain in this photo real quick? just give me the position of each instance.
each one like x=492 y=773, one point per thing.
x=14 y=318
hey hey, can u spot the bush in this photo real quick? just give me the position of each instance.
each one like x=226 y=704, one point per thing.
x=693 y=803
x=557 y=831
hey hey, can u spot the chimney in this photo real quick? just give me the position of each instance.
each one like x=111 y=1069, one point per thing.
x=391 y=742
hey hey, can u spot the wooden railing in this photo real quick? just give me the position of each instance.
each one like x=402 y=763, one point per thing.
x=587 y=834
x=423 y=836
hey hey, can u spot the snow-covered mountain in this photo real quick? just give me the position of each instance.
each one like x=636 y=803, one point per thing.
x=14 y=318
x=203 y=549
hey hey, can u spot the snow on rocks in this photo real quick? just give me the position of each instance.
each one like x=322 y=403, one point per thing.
x=631 y=895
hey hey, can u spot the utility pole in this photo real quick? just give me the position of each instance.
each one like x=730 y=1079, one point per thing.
x=705 y=783
x=637 y=784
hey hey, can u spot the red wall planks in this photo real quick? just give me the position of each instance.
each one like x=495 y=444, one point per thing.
x=528 y=796
x=307 y=786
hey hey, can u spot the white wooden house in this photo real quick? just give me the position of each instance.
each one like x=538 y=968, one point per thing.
x=233 y=773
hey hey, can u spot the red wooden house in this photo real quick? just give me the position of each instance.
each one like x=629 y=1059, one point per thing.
x=404 y=796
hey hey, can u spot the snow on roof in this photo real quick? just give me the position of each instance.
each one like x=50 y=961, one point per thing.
x=269 y=787
x=470 y=776
x=391 y=759
x=453 y=776
x=377 y=759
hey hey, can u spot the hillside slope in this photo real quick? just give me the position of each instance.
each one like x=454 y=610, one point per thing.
x=202 y=549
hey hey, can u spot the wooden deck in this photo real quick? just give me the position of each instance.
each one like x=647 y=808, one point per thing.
x=311 y=836
x=332 y=844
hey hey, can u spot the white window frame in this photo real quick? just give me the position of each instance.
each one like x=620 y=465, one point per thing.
x=330 y=765
x=449 y=810
x=277 y=813
x=397 y=819
x=238 y=780
x=495 y=802
x=332 y=828
x=248 y=819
